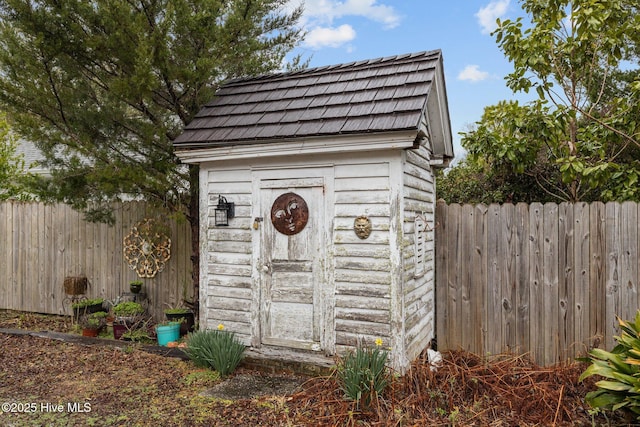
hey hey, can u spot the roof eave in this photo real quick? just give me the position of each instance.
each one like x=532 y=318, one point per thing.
x=197 y=153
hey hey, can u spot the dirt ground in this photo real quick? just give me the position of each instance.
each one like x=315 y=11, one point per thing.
x=56 y=383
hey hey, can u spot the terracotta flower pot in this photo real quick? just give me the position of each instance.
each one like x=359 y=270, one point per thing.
x=89 y=332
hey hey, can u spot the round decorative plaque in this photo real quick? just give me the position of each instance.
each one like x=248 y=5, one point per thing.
x=147 y=248
x=289 y=214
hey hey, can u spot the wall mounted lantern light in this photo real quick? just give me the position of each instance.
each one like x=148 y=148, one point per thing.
x=224 y=211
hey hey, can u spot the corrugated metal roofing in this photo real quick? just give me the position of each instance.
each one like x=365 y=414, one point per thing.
x=378 y=95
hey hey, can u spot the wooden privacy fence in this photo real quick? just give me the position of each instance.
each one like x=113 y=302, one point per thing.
x=42 y=244
x=548 y=280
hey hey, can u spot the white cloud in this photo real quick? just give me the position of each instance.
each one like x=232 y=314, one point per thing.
x=487 y=15
x=328 y=36
x=319 y=16
x=472 y=73
x=326 y=11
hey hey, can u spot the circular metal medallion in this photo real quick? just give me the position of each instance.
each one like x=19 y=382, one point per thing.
x=147 y=248
x=289 y=214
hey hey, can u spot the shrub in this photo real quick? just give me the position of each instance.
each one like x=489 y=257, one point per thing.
x=620 y=390
x=363 y=374
x=95 y=320
x=217 y=349
x=137 y=335
x=128 y=308
x=86 y=303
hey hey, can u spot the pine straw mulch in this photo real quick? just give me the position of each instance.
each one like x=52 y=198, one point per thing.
x=466 y=390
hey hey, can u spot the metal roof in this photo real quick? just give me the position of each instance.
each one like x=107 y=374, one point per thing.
x=379 y=95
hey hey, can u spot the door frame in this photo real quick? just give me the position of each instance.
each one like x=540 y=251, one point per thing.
x=285 y=177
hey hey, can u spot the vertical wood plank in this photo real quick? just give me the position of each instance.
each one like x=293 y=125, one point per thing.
x=628 y=260
x=479 y=286
x=522 y=278
x=6 y=257
x=550 y=275
x=536 y=290
x=466 y=276
x=12 y=262
x=453 y=289
x=566 y=272
x=23 y=291
x=441 y=254
x=507 y=251
x=597 y=278
x=613 y=273
x=493 y=324
x=581 y=261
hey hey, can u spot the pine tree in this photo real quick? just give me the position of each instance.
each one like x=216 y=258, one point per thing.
x=103 y=86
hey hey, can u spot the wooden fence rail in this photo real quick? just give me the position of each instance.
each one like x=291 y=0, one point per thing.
x=548 y=280
x=42 y=244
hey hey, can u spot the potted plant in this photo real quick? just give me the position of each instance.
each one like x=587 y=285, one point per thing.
x=167 y=332
x=126 y=315
x=135 y=286
x=183 y=315
x=87 y=306
x=93 y=323
x=127 y=309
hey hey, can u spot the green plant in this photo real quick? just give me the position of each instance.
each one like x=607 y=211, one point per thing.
x=86 y=303
x=128 y=308
x=363 y=374
x=177 y=311
x=168 y=322
x=137 y=335
x=136 y=282
x=218 y=349
x=202 y=378
x=620 y=390
x=94 y=320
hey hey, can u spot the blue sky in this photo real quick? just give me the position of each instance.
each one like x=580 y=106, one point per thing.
x=340 y=31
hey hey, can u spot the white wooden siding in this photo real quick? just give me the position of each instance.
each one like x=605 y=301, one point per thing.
x=372 y=289
x=362 y=267
x=419 y=199
x=228 y=291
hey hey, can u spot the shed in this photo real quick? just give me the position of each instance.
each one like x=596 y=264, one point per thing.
x=330 y=170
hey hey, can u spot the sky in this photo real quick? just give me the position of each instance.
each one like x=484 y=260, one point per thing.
x=342 y=31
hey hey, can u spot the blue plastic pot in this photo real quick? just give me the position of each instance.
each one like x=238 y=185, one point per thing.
x=168 y=333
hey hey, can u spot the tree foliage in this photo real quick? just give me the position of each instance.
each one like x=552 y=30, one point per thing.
x=580 y=139
x=103 y=86
x=12 y=166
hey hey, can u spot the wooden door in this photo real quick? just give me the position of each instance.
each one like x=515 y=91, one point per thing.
x=291 y=268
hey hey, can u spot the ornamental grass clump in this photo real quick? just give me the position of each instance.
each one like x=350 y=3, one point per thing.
x=363 y=374
x=620 y=390
x=218 y=349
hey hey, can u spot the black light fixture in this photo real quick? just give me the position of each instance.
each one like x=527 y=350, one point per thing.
x=224 y=211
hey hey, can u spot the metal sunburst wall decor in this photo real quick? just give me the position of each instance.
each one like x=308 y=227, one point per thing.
x=147 y=248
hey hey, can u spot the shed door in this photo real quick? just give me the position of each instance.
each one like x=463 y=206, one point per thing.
x=291 y=272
